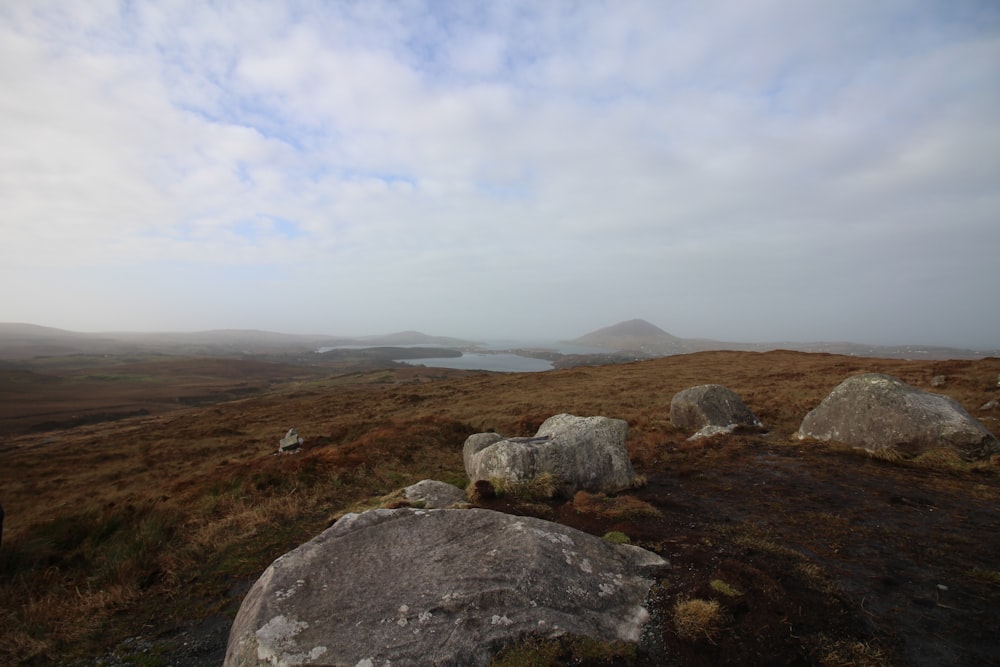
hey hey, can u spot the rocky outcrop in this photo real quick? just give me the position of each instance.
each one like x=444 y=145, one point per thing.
x=712 y=409
x=582 y=453
x=432 y=494
x=438 y=587
x=878 y=412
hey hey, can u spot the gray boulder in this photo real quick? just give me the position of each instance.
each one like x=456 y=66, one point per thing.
x=712 y=405
x=586 y=453
x=476 y=443
x=290 y=442
x=438 y=587
x=879 y=412
x=434 y=494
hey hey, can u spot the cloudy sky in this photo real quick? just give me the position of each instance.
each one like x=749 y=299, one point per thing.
x=751 y=171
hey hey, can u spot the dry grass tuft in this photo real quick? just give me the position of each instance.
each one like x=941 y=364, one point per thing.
x=614 y=507
x=750 y=538
x=941 y=458
x=639 y=481
x=817 y=577
x=541 y=487
x=887 y=454
x=696 y=619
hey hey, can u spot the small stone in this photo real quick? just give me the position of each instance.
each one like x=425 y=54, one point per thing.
x=290 y=442
x=712 y=430
x=434 y=494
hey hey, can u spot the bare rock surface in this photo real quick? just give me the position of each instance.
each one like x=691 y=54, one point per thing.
x=878 y=412
x=438 y=587
x=712 y=431
x=583 y=453
x=434 y=494
x=708 y=405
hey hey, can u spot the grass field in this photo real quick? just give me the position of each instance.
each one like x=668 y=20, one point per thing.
x=147 y=525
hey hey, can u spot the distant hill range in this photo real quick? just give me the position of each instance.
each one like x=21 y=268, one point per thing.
x=643 y=339
x=23 y=341
x=631 y=339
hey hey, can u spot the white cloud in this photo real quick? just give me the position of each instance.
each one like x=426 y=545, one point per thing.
x=566 y=164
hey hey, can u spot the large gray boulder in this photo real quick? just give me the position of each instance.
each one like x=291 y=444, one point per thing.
x=586 y=453
x=878 y=412
x=438 y=587
x=712 y=405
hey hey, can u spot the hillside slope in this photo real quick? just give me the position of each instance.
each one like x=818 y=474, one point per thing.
x=646 y=340
x=633 y=335
x=152 y=527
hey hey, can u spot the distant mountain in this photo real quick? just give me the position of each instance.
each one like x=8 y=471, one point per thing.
x=20 y=341
x=642 y=339
x=631 y=329
x=634 y=336
x=25 y=341
x=17 y=331
x=233 y=340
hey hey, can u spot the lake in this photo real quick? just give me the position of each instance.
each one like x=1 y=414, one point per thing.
x=503 y=362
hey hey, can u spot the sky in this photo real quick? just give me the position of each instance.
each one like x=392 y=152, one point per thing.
x=776 y=170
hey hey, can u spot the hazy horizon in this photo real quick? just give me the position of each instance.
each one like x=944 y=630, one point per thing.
x=498 y=343
x=742 y=172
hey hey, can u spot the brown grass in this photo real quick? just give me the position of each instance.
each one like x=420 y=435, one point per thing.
x=540 y=487
x=696 y=619
x=148 y=520
x=614 y=507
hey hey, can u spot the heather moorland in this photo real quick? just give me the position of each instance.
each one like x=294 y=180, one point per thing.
x=144 y=495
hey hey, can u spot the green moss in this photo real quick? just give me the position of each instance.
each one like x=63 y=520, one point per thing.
x=724 y=588
x=617 y=537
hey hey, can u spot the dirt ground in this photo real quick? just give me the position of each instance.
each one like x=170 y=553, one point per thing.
x=815 y=554
x=837 y=558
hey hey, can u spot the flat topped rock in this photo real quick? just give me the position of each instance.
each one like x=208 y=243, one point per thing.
x=441 y=587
